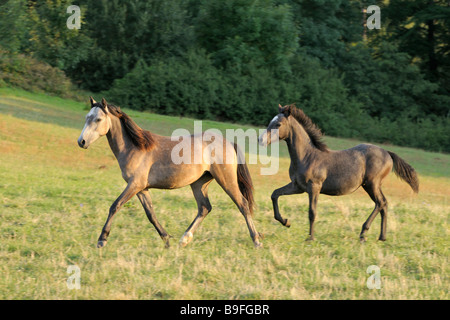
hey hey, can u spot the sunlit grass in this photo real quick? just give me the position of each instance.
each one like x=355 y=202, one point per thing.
x=54 y=200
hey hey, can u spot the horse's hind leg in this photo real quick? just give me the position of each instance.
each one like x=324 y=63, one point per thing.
x=229 y=183
x=313 y=190
x=146 y=201
x=374 y=191
x=200 y=190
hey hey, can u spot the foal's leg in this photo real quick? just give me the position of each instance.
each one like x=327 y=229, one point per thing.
x=313 y=190
x=126 y=195
x=383 y=213
x=146 y=201
x=200 y=190
x=290 y=188
x=374 y=191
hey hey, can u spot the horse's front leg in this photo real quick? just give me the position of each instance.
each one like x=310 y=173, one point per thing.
x=146 y=201
x=131 y=190
x=290 y=188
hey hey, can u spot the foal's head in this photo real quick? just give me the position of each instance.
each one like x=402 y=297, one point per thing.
x=278 y=128
x=97 y=123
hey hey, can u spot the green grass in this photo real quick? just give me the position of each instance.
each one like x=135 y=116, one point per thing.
x=54 y=200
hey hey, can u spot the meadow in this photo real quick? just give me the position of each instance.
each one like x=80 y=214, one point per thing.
x=54 y=200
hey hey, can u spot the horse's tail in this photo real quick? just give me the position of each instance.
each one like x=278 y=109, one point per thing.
x=405 y=172
x=244 y=179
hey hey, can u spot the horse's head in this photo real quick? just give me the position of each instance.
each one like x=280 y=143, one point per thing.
x=97 y=123
x=278 y=127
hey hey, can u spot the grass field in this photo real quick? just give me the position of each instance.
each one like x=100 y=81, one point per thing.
x=54 y=200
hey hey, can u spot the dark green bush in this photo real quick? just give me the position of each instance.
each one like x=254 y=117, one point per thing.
x=193 y=86
x=22 y=71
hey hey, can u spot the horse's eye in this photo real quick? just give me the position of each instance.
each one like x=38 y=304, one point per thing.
x=98 y=120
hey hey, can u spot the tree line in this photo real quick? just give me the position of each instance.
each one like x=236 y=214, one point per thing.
x=236 y=60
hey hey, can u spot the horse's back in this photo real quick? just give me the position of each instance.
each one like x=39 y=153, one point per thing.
x=378 y=162
x=348 y=169
x=180 y=161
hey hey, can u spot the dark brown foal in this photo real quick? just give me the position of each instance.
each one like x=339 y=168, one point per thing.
x=315 y=169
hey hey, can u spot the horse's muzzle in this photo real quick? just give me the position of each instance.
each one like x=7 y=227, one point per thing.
x=82 y=143
x=264 y=139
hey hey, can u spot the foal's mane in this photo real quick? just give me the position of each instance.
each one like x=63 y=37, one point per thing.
x=310 y=127
x=141 y=138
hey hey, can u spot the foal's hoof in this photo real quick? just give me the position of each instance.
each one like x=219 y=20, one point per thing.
x=310 y=238
x=362 y=240
x=287 y=223
x=101 y=243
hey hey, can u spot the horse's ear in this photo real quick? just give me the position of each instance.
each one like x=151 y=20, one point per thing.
x=286 y=110
x=92 y=101
x=105 y=105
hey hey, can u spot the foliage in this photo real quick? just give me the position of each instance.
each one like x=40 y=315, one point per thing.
x=237 y=60
x=193 y=86
x=388 y=85
x=422 y=29
x=22 y=71
x=127 y=31
x=239 y=33
x=12 y=24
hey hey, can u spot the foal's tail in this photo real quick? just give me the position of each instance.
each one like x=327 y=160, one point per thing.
x=244 y=179
x=404 y=171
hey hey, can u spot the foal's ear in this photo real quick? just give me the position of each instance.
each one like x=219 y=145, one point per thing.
x=92 y=101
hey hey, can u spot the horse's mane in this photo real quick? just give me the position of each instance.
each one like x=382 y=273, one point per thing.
x=142 y=139
x=310 y=127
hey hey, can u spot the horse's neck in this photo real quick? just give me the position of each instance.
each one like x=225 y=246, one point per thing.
x=117 y=138
x=298 y=142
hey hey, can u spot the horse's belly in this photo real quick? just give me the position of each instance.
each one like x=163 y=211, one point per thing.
x=338 y=191
x=337 y=186
x=174 y=176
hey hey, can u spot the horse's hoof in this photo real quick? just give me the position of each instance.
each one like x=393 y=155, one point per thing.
x=101 y=243
x=287 y=223
x=381 y=239
x=186 y=238
x=362 y=240
x=166 y=240
x=309 y=238
x=258 y=245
